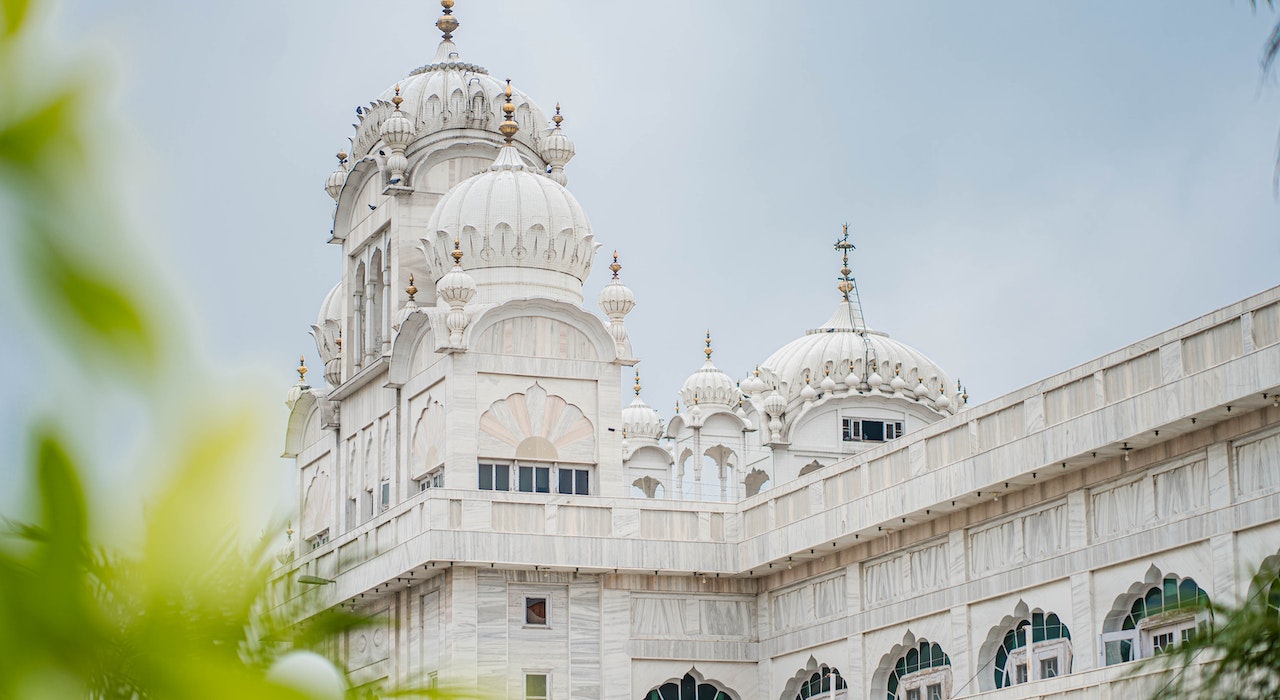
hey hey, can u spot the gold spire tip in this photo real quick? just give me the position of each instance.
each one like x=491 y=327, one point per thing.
x=637 y=382
x=557 y=119
x=509 y=127
x=302 y=368
x=411 y=290
x=614 y=266
x=397 y=100
x=457 y=251
x=342 y=157
x=447 y=22
x=708 y=350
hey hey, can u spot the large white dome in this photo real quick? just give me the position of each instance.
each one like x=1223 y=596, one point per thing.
x=843 y=349
x=522 y=234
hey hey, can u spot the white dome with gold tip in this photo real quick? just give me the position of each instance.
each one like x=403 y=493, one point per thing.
x=523 y=233
x=709 y=386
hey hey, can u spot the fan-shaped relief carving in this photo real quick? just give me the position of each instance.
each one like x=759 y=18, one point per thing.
x=428 y=441
x=537 y=425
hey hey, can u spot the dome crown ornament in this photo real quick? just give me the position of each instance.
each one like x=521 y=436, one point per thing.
x=557 y=149
x=297 y=390
x=447 y=23
x=338 y=178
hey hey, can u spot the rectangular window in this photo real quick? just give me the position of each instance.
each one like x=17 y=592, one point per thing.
x=386 y=495
x=1162 y=641
x=433 y=480
x=1049 y=667
x=854 y=429
x=1020 y=675
x=535 y=479
x=935 y=691
x=495 y=477
x=913 y=694
x=535 y=686
x=535 y=611
x=368 y=504
x=573 y=481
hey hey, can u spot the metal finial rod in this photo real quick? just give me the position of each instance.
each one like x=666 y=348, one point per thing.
x=708 y=350
x=637 y=382
x=302 y=368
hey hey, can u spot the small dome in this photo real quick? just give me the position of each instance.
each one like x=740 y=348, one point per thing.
x=523 y=233
x=641 y=422
x=616 y=299
x=331 y=307
x=845 y=346
x=709 y=386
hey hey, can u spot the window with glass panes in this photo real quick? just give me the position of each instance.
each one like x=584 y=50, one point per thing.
x=687 y=688
x=534 y=477
x=1028 y=646
x=1165 y=615
x=824 y=683
x=923 y=673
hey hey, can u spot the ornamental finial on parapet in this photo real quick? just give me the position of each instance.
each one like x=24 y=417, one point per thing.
x=557 y=119
x=457 y=252
x=614 y=266
x=708 y=349
x=637 y=387
x=447 y=22
x=302 y=368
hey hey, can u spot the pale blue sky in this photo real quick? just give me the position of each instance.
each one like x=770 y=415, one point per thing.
x=1030 y=185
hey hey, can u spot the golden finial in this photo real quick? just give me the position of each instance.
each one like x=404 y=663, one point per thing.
x=637 y=382
x=457 y=251
x=614 y=265
x=411 y=290
x=447 y=23
x=338 y=341
x=508 y=127
x=302 y=368
x=677 y=407
x=708 y=350
x=843 y=245
x=397 y=100
x=757 y=371
x=342 y=157
x=557 y=119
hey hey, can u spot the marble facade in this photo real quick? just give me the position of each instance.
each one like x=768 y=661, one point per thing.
x=776 y=542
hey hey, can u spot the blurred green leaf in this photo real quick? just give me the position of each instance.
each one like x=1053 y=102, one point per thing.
x=27 y=142
x=82 y=303
x=15 y=13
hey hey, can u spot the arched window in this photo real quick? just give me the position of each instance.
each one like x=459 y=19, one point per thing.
x=1039 y=647
x=1167 y=613
x=923 y=673
x=687 y=688
x=824 y=684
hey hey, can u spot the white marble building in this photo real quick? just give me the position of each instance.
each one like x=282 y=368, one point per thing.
x=839 y=523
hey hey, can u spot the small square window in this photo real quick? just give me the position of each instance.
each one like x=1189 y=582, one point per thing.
x=535 y=686
x=535 y=611
x=1049 y=667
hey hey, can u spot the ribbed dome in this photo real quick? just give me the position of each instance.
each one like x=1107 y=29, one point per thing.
x=450 y=93
x=833 y=348
x=523 y=234
x=641 y=422
x=710 y=387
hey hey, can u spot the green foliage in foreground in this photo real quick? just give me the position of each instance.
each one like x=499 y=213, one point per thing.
x=1238 y=655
